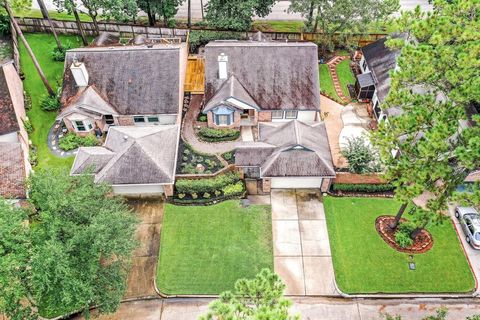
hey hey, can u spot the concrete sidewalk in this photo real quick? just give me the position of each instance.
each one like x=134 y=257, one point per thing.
x=301 y=246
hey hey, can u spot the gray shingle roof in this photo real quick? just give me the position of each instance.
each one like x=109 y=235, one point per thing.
x=133 y=155
x=88 y=101
x=298 y=149
x=231 y=88
x=133 y=79
x=277 y=75
x=8 y=117
x=12 y=171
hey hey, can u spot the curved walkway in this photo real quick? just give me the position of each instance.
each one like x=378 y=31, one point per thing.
x=188 y=131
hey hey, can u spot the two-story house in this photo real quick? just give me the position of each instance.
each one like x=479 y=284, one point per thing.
x=247 y=82
x=14 y=143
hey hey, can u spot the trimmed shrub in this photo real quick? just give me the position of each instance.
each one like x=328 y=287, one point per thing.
x=217 y=135
x=181 y=195
x=403 y=239
x=360 y=156
x=72 y=141
x=4 y=24
x=367 y=188
x=217 y=193
x=33 y=156
x=227 y=156
x=198 y=38
x=59 y=54
x=28 y=126
x=233 y=189
x=207 y=195
x=194 y=195
x=50 y=103
x=202 y=118
x=209 y=185
x=27 y=101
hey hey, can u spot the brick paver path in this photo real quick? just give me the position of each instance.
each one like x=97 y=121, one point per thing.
x=188 y=131
x=332 y=67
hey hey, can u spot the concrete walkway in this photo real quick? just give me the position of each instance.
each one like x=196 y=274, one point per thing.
x=309 y=308
x=473 y=256
x=188 y=131
x=300 y=243
x=140 y=282
x=332 y=111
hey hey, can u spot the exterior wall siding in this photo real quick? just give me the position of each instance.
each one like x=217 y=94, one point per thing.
x=353 y=178
x=264 y=116
x=139 y=190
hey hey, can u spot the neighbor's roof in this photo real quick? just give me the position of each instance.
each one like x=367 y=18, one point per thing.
x=380 y=60
x=132 y=155
x=288 y=149
x=277 y=75
x=12 y=171
x=8 y=117
x=132 y=79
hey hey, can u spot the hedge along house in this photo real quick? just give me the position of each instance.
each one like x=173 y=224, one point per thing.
x=260 y=81
x=287 y=155
x=131 y=85
x=135 y=161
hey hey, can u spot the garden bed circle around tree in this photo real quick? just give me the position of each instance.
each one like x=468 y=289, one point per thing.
x=422 y=242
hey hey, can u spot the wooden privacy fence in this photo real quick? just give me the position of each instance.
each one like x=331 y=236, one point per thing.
x=130 y=30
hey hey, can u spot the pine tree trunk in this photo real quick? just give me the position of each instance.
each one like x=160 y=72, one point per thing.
x=79 y=24
x=189 y=8
x=399 y=215
x=151 y=16
x=29 y=50
x=95 y=24
x=45 y=15
x=201 y=7
x=310 y=15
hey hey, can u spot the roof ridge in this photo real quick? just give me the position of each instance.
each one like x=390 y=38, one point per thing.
x=110 y=163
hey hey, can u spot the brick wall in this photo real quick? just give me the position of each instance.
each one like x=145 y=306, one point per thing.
x=125 y=121
x=353 y=178
x=266 y=185
x=236 y=121
x=168 y=190
x=264 y=116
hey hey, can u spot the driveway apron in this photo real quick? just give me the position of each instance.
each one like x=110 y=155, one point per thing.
x=302 y=254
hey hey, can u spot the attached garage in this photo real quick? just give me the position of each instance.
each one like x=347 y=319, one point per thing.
x=296 y=182
x=136 y=190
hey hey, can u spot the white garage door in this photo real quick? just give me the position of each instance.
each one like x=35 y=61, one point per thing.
x=296 y=182
x=138 y=190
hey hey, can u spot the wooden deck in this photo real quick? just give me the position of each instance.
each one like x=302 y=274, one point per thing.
x=195 y=76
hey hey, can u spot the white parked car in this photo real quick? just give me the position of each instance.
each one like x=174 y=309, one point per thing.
x=470 y=221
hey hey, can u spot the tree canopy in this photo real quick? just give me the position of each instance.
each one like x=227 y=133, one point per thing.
x=258 y=298
x=236 y=14
x=342 y=17
x=435 y=142
x=71 y=250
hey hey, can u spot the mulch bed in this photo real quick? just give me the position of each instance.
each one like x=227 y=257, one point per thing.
x=421 y=244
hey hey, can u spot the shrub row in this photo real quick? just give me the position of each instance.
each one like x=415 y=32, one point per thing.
x=363 y=187
x=72 y=141
x=210 y=185
x=198 y=38
x=216 y=135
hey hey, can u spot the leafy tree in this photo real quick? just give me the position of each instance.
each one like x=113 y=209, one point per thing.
x=74 y=253
x=437 y=81
x=236 y=14
x=341 y=17
x=361 y=158
x=167 y=9
x=258 y=298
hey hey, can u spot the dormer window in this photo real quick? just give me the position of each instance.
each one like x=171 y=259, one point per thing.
x=222 y=66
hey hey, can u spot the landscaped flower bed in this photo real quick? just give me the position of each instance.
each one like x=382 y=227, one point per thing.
x=193 y=162
x=218 y=135
x=222 y=187
x=229 y=157
x=72 y=141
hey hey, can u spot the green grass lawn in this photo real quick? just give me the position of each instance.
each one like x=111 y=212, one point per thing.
x=364 y=263
x=345 y=76
x=278 y=25
x=326 y=83
x=36 y=13
x=205 y=249
x=42 y=45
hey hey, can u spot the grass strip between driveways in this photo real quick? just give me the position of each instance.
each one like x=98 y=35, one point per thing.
x=345 y=76
x=42 y=45
x=326 y=83
x=364 y=263
x=205 y=249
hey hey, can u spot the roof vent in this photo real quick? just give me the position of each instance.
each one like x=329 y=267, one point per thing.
x=80 y=73
x=125 y=137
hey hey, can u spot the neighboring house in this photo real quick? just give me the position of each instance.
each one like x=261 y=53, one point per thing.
x=134 y=160
x=287 y=155
x=131 y=85
x=14 y=145
x=374 y=81
x=248 y=82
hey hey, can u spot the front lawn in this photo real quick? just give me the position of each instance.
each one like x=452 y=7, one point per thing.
x=42 y=45
x=205 y=249
x=364 y=263
x=345 y=76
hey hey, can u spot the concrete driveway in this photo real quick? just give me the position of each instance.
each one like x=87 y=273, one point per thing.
x=301 y=249
x=473 y=256
x=140 y=282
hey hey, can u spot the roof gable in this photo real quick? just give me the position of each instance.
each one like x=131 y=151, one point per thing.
x=231 y=89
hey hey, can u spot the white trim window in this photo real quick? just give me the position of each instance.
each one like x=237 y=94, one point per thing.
x=277 y=114
x=223 y=120
x=139 y=120
x=82 y=125
x=291 y=114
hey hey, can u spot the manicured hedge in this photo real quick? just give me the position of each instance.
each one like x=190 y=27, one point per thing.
x=363 y=187
x=216 y=135
x=210 y=185
x=72 y=141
